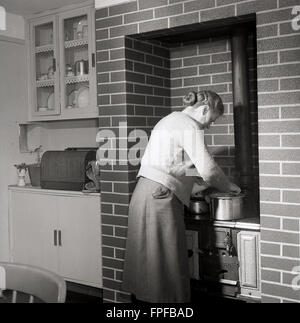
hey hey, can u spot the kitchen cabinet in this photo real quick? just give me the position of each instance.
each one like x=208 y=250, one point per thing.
x=57 y=230
x=62 y=72
x=44 y=75
x=32 y=222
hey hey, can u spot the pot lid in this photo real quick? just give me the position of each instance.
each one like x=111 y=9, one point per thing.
x=227 y=196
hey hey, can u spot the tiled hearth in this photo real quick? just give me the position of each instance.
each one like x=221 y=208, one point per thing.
x=141 y=78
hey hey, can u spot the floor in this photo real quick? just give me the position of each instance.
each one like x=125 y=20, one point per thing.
x=81 y=298
x=71 y=298
x=199 y=297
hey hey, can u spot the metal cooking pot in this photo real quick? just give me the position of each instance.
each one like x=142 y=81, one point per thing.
x=198 y=206
x=227 y=207
x=81 y=67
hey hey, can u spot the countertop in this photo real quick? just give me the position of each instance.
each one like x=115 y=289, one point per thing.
x=35 y=189
x=249 y=223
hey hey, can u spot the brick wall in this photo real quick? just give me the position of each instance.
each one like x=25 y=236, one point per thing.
x=206 y=65
x=278 y=72
x=148 y=77
x=279 y=124
x=134 y=93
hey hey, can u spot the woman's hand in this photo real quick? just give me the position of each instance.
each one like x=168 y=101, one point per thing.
x=234 y=189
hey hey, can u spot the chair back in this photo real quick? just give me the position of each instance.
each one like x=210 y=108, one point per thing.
x=33 y=281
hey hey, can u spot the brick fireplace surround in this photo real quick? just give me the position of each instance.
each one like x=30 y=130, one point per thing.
x=138 y=83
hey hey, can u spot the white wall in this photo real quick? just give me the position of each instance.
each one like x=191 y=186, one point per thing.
x=63 y=134
x=13 y=109
x=107 y=3
x=15 y=26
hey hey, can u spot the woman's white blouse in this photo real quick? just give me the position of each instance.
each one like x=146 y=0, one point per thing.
x=176 y=154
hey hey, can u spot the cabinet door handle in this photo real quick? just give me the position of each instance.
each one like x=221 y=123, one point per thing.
x=59 y=238
x=93 y=60
x=54 y=65
x=55 y=237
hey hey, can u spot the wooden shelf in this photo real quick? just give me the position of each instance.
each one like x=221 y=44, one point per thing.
x=76 y=79
x=45 y=83
x=76 y=43
x=44 y=49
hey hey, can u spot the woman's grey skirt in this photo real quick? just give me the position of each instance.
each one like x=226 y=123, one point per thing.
x=156 y=266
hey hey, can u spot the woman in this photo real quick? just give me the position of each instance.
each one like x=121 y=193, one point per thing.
x=156 y=263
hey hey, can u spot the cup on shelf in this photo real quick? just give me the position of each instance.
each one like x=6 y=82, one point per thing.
x=50 y=74
x=43 y=77
x=67 y=36
x=85 y=31
x=69 y=70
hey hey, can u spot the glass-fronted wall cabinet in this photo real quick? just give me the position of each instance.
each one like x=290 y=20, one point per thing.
x=62 y=81
x=45 y=85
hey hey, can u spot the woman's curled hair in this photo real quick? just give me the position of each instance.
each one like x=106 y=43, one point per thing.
x=210 y=98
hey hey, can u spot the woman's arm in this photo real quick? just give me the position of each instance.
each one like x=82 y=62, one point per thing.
x=208 y=169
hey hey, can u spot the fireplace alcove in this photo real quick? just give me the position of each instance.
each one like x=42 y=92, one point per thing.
x=162 y=66
x=149 y=74
x=150 y=89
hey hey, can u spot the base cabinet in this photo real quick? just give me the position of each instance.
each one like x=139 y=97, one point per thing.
x=58 y=231
x=33 y=221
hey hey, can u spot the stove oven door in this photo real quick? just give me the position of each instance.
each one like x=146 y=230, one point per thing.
x=218 y=261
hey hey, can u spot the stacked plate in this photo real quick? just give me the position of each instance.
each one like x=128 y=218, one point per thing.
x=51 y=101
x=79 y=98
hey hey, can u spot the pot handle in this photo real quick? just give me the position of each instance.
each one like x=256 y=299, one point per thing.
x=228 y=243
